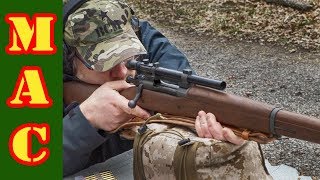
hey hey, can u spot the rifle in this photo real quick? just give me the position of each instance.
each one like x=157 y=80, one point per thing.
x=184 y=94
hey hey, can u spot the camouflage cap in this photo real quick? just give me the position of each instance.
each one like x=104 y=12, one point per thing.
x=101 y=32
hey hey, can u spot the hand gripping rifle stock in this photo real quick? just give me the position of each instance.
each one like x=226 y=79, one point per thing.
x=184 y=94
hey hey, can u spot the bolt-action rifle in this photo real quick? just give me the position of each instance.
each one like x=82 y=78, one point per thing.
x=185 y=94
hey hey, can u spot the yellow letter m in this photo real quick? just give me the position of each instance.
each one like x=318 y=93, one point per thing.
x=34 y=36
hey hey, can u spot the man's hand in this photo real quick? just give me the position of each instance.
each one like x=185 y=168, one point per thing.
x=106 y=109
x=208 y=127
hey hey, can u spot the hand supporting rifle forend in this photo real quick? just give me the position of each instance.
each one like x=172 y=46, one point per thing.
x=183 y=94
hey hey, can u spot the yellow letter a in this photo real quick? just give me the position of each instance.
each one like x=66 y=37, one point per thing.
x=30 y=90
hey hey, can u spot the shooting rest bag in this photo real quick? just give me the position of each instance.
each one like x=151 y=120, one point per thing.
x=163 y=151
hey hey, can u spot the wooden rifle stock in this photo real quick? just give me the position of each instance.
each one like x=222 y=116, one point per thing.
x=228 y=108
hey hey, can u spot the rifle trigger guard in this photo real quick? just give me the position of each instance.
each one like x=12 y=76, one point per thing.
x=133 y=103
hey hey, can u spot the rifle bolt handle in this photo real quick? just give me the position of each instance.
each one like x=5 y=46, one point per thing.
x=132 y=104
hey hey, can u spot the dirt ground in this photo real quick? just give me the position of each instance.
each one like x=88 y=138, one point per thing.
x=265 y=73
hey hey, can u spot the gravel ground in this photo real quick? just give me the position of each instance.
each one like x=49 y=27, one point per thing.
x=268 y=74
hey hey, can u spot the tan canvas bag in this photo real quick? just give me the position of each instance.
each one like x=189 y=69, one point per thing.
x=165 y=152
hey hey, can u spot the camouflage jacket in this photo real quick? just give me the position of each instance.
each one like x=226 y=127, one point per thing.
x=84 y=145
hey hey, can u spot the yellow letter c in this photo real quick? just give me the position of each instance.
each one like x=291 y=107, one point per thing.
x=20 y=143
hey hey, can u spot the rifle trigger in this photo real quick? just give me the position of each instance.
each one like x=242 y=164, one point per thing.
x=133 y=103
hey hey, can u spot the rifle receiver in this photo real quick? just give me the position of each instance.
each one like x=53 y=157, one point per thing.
x=185 y=79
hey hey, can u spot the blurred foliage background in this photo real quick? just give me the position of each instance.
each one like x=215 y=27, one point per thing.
x=294 y=23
